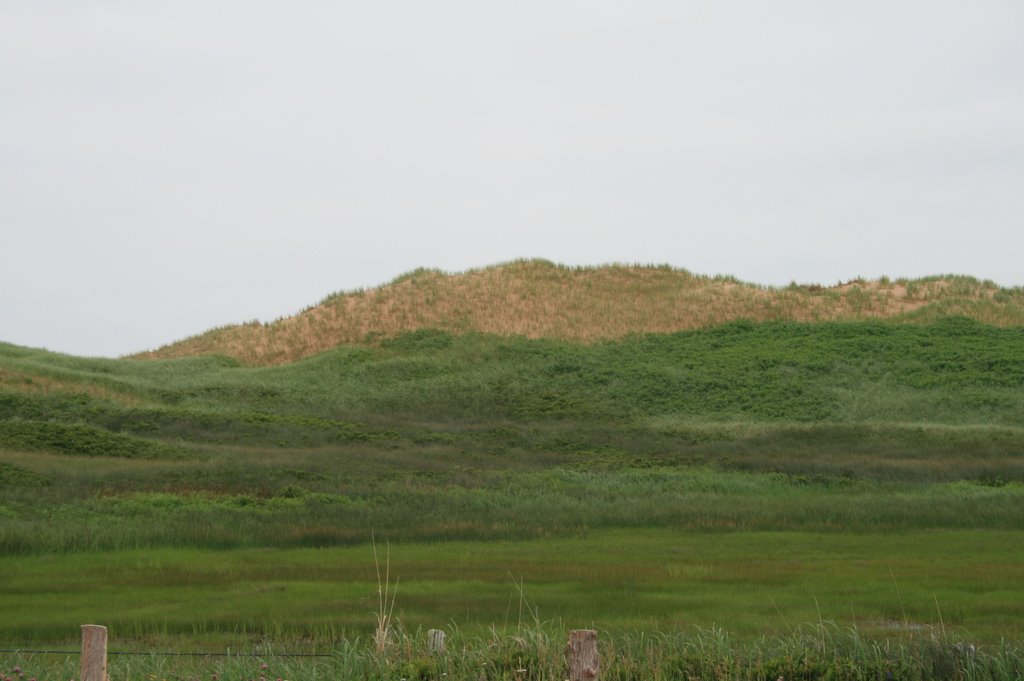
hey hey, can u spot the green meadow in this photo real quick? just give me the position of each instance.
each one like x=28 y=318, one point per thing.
x=751 y=583
x=729 y=487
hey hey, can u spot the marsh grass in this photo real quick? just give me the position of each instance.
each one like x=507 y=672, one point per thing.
x=386 y=594
x=755 y=583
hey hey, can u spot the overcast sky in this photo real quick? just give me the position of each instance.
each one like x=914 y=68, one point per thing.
x=167 y=167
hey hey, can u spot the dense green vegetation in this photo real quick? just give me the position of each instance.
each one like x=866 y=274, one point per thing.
x=751 y=476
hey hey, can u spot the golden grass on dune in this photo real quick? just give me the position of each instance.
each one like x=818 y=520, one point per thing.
x=539 y=299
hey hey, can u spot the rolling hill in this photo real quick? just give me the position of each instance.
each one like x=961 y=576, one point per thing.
x=539 y=299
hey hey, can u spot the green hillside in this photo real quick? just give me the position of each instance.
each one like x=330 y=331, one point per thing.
x=447 y=416
x=871 y=448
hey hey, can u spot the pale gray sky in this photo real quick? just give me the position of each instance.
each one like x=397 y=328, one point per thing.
x=166 y=167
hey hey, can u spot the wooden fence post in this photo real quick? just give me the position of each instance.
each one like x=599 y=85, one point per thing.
x=584 y=662
x=435 y=641
x=94 y=653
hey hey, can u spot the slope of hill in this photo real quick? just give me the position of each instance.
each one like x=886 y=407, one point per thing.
x=537 y=298
x=825 y=454
x=848 y=412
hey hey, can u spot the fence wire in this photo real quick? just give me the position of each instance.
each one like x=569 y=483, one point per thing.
x=164 y=654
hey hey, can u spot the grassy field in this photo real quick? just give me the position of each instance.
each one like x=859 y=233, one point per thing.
x=752 y=583
x=855 y=481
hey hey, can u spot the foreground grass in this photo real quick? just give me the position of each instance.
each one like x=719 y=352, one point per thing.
x=822 y=651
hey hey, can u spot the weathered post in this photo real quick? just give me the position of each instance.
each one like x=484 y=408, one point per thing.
x=584 y=662
x=94 y=653
x=435 y=641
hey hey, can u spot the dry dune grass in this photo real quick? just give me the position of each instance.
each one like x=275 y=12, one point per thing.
x=536 y=298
